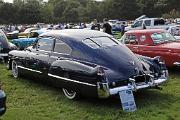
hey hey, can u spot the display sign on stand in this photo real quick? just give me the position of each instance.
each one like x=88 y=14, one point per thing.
x=127 y=100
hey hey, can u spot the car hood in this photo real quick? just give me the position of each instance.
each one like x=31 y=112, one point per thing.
x=121 y=63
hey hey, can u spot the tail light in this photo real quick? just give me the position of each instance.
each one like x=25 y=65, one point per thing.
x=100 y=71
x=101 y=74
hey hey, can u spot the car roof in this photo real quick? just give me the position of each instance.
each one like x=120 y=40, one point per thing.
x=78 y=34
x=145 y=31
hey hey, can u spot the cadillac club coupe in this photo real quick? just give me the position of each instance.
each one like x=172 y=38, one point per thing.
x=86 y=62
x=154 y=42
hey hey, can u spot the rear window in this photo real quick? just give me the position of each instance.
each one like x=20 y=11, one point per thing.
x=159 y=22
x=100 y=42
x=130 y=39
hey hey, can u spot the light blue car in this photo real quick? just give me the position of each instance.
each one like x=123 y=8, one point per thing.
x=22 y=43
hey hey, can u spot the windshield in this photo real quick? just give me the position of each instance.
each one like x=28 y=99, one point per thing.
x=162 y=37
x=100 y=42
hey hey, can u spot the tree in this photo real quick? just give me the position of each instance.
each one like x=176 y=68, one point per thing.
x=7 y=13
x=30 y=12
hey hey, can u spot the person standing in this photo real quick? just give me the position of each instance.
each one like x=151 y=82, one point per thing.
x=95 y=25
x=107 y=27
x=122 y=28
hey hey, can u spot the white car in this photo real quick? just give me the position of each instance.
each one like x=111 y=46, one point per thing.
x=175 y=31
x=177 y=20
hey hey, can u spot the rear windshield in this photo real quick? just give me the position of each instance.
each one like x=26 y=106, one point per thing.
x=100 y=42
x=162 y=37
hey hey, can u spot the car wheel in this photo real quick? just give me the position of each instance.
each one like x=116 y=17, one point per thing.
x=15 y=70
x=70 y=94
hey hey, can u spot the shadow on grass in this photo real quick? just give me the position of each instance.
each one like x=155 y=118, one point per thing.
x=174 y=71
x=145 y=99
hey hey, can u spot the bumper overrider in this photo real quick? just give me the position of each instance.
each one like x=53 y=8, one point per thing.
x=2 y=55
x=176 y=63
x=104 y=91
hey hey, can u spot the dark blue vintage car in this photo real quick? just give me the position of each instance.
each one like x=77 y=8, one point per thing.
x=86 y=62
x=2 y=101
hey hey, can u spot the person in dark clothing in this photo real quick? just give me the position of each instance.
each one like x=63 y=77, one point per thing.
x=95 y=25
x=122 y=28
x=107 y=27
x=144 y=26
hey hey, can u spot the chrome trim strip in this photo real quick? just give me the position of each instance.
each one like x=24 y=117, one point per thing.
x=176 y=63
x=29 y=69
x=55 y=76
x=153 y=83
x=3 y=54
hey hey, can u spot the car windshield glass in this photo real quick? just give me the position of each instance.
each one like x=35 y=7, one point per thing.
x=162 y=37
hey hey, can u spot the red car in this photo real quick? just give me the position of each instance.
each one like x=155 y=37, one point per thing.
x=154 y=42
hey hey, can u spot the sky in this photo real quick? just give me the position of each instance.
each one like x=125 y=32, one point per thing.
x=44 y=0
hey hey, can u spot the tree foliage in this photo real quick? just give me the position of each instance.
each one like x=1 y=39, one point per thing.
x=54 y=11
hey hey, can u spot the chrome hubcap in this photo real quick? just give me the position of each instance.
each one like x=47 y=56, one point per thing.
x=69 y=94
x=14 y=69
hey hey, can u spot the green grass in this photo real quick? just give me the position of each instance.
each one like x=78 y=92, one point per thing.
x=28 y=100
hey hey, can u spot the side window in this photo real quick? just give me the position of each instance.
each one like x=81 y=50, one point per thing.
x=147 y=22
x=45 y=44
x=138 y=24
x=62 y=47
x=131 y=39
x=159 y=22
x=90 y=43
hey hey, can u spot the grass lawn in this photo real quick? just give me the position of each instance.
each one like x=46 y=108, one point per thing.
x=28 y=100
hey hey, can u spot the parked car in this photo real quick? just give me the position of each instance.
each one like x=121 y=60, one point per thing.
x=116 y=24
x=12 y=35
x=175 y=31
x=2 y=102
x=149 y=23
x=5 y=46
x=87 y=62
x=26 y=32
x=177 y=21
x=22 y=43
x=154 y=42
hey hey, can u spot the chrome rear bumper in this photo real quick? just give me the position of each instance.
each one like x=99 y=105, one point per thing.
x=104 y=91
x=3 y=54
x=176 y=63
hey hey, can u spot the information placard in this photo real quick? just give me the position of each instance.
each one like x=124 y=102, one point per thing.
x=127 y=100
